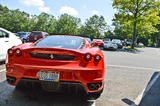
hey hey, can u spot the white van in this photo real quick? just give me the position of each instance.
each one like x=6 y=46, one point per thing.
x=7 y=40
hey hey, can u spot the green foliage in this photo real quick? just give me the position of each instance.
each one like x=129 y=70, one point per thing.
x=67 y=25
x=129 y=48
x=44 y=22
x=94 y=27
x=141 y=14
x=109 y=34
x=15 y=21
x=119 y=33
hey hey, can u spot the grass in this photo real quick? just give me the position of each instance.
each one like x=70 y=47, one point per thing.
x=140 y=46
x=129 y=48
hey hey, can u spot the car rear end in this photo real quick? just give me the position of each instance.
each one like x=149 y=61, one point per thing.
x=56 y=65
x=99 y=43
x=110 y=45
x=118 y=42
x=34 y=36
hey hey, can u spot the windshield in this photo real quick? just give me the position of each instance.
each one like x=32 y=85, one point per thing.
x=36 y=34
x=21 y=34
x=66 y=42
x=116 y=41
x=106 y=41
x=89 y=40
x=97 y=40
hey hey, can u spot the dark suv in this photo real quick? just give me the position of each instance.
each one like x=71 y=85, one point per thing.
x=36 y=35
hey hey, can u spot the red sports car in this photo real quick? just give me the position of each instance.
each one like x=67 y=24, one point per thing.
x=98 y=42
x=58 y=60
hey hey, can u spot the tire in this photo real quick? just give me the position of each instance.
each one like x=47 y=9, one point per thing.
x=20 y=86
x=24 y=41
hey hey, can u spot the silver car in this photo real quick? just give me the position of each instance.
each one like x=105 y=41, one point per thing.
x=110 y=45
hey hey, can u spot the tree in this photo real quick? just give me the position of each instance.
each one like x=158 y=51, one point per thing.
x=109 y=34
x=94 y=27
x=13 y=20
x=67 y=25
x=137 y=14
x=45 y=22
x=119 y=33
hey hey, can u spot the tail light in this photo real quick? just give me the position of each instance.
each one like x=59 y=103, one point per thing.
x=10 y=52
x=97 y=58
x=88 y=57
x=18 y=52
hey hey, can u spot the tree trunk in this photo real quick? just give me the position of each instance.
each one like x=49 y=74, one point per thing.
x=158 y=43
x=134 y=35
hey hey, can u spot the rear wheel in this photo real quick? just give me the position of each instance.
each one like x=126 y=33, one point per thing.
x=20 y=86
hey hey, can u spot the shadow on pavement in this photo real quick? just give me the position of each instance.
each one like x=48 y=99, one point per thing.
x=123 y=50
x=9 y=96
x=127 y=101
x=151 y=94
x=130 y=51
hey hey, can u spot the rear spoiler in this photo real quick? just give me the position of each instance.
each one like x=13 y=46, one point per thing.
x=53 y=50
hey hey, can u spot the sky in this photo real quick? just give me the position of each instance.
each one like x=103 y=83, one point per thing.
x=78 y=8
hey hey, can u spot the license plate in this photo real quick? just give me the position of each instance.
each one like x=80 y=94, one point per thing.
x=49 y=76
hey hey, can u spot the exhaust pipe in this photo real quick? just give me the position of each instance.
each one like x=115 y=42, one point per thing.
x=94 y=86
x=11 y=80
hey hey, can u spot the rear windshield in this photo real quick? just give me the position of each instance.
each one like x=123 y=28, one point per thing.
x=89 y=40
x=21 y=34
x=36 y=34
x=67 y=42
x=106 y=42
x=116 y=41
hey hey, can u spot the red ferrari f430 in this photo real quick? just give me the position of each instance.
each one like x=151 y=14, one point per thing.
x=60 y=60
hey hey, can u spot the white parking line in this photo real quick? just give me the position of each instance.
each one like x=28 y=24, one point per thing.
x=143 y=68
x=94 y=104
x=3 y=70
x=144 y=92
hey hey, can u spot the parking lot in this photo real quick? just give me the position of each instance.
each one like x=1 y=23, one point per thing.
x=126 y=80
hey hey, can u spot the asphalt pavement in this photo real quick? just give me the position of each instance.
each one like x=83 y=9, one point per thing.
x=132 y=78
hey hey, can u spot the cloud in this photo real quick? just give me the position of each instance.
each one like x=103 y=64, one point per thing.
x=39 y=4
x=95 y=12
x=34 y=3
x=68 y=10
x=44 y=9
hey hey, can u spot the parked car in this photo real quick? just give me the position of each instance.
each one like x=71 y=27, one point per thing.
x=106 y=39
x=118 y=42
x=110 y=45
x=98 y=42
x=56 y=61
x=140 y=44
x=7 y=40
x=89 y=40
x=36 y=35
x=23 y=36
x=127 y=42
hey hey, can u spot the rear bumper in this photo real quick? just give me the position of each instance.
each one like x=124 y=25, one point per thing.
x=102 y=45
x=109 y=47
x=68 y=75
